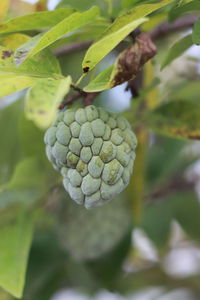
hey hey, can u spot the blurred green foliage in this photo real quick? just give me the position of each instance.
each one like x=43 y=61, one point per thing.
x=30 y=197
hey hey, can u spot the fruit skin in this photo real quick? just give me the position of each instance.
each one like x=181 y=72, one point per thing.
x=90 y=234
x=94 y=150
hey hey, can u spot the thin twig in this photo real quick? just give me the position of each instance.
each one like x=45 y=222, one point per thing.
x=79 y=90
x=177 y=183
x=90 y=98
x=69 y=101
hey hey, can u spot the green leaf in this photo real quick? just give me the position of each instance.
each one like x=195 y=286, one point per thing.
x=86 y=33
x=15 y=240
x=38 y=43
x=175 y=12
x=116 y=32
x=43 y=98
x=178 y=118
x=9 y=140
x=129 y=3
x=163 y=160
x=28 y=131
x=43 y=19
x=77 y=4
x=101 y=82
x=156 y=223
x=187 y=213
x=196 y=33
x=188 y=90
x=177 y=49
x=27 y=185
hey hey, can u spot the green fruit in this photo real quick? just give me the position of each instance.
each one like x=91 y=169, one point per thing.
x=94 y=150
x=89 y=234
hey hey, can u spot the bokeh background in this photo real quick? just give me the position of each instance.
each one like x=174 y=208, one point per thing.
x=157 y=258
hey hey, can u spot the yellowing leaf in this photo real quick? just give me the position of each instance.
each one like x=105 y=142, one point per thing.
x=116 y=32
x=43 y=98
x=13 y=41
x=13 y=79
x=177 y=118
x=10 y=83
x=45 y=64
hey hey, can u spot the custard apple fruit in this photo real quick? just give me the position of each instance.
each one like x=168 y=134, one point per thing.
x=89 y=234
x=94 y=150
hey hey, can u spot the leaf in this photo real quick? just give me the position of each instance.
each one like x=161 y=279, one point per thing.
x=164 y=158
x=127 y=65
x=116 y=32
x=29 y=132
x=77 y=4
x=177 y=50
x=43 y=19
x=190 y=90
x=13 y=41
x=156 y=223
x=154 y=21
x=187 y=213
x=27 y=185
x=10 y=84
x=129 y=3
x=45 y=64
x=74 y=21
x=15 y=240
x=43 y=98
x=86 y=33
x=14 y=79
x=175 y=12
x=4 y=5
x=101 y=82
x=178 y=118
x=9 y=140
x=196 y=33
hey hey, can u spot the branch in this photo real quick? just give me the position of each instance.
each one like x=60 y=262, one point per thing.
x=144 y=41
x=69 y=101
x=72 y=47
x=165 y=28
x=176 y=184
x=158 y=32
x=88 y=98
